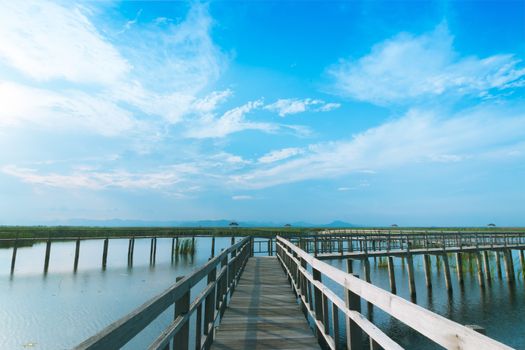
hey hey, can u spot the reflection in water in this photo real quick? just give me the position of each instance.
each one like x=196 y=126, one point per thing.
x=60 y=308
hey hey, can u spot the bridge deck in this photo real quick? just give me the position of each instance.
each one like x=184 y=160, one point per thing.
x=263 y=313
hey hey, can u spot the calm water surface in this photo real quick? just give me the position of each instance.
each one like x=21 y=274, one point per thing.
x=60 y=309
x=499 y=308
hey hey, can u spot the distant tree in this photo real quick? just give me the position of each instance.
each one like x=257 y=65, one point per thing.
x=394 y=225
x=287 y=225
x=234 y=224
x=491 y=225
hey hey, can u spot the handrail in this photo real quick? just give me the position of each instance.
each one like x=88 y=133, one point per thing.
x=441 y=330
x=213 y=298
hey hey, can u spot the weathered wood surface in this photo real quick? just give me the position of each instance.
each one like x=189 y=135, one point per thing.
x=264 y=313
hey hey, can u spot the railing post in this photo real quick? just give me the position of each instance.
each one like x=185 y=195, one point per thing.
x=209 y=308
x=354 y=334
x=182 y=306
x=318 y=303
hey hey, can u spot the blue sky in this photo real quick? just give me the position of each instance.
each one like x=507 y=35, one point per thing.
x=365 y=111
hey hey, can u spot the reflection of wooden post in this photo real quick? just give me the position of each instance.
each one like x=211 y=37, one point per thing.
x=522 y=261
x=77 y=253
x=48 y=253
x=428 y=267
x=354 y=333
x=446 y=268
x=459 y=266
x=391 y=275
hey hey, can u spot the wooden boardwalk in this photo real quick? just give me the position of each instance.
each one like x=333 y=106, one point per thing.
x=263 y=312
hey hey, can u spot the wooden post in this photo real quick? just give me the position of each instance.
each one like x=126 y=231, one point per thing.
x=152 y=251
x=105 y=254
x=459 y=268
x=480 y=269
x=522 y=261
x=315 y=246
x=77 y=253
x=354 y=334
x=213 y=246
x=335 y=326
x=198 y=328
x=498 y=264
x=486 y=265
x=48 y=253
x=182 y=306
x=172 y=249
x=318 y=303
x=391 y=275
x=428 y=267
x=349 y=266
x=13 y=257
x=508 y=265
x=411 y=282
x=209 y=308
x=446 y=268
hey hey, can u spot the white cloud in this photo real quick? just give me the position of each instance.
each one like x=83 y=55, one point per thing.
x=241 y=197
x=230 y=122
x=418 y=137
x=96 y=180
x=47 y=41
x=408 y=67
x=70 y=109
x=281 y=154
x=293 y=106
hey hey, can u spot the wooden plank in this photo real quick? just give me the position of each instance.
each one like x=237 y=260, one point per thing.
x=263 y=312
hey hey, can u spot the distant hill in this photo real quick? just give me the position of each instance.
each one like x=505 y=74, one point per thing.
x=189 y=223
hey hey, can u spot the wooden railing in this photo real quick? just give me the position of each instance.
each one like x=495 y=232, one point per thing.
x=222 y=273
x=323 y=305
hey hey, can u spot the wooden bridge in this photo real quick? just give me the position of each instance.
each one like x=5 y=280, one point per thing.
x=282 y=302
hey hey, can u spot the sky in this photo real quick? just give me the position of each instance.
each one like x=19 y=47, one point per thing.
x=371 y=112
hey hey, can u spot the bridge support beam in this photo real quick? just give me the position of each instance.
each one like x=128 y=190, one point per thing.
x=411 y=282
x=446 y=271
x=13 y=257
x=498 y=263
x=509 y=268
x=479 y=265
x=391 y=275
x=459 y=268
x=428 y=267
x=486 y=266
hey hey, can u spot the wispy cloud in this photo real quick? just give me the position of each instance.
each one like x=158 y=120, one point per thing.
x=288 y=106
x=408 y=67
x=97 y=180
x=417 y=138
x=281 y=154
x=241 y=197
x=47 y=41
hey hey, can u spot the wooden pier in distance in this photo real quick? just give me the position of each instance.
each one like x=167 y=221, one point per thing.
x=264 y=313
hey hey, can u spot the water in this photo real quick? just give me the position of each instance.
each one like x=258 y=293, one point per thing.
x=60 y=309
x=499 y=307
